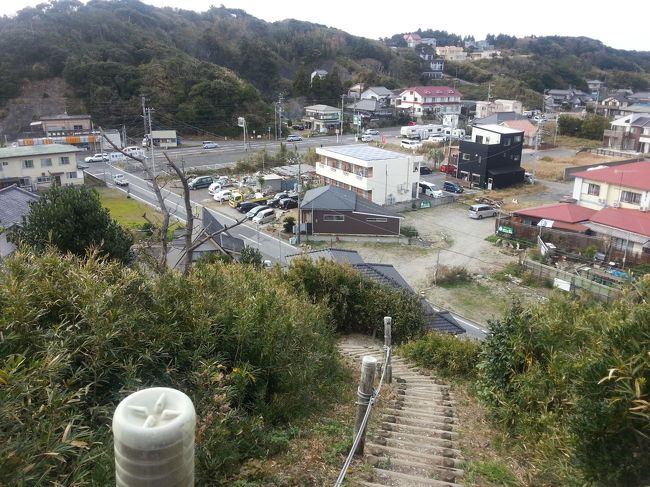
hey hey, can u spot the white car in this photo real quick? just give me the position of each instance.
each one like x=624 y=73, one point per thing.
x=208 y=144
x=223 y=195
x=101 y=157
x=372 y=132
x=219 y=185
x=120 y=180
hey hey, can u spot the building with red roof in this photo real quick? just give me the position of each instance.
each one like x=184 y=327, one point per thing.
x=628 y=230
x=561 y=216
x=422 y=100
x=622 y=186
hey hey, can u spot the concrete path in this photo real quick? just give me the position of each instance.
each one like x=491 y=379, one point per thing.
x=412 y=442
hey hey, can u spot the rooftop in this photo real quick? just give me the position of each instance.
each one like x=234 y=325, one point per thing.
x=499 y=129
x=65 y=116
x=14 y=204
x=362 y=151
x=334 y=198
x=322 y=108
x=36 y=150
x=633 y=175
x=634 y=221
x=434 y=91
x=563 y=212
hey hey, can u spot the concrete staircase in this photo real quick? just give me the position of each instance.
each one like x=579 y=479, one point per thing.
x=411 y=441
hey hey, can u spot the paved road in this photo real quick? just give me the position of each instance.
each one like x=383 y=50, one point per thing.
x=271 y=248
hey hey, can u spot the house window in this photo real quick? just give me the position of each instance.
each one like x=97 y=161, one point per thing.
x=77 y=127
x=28 y=164
x=377 y=220
x=65 y=161
x=517 y=138
x=72 y=175
x=506 y=142
x=333 y=218
x=593 y=189
x=46 y=162
x=622 y=244
x=43 y=179
x=630 y=197
x=465 y=157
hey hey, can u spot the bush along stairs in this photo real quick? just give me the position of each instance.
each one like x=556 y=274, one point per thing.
x=411 y=438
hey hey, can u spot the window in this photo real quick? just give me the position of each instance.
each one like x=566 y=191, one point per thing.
x=47 y=162
x=593 y=189
x=465 y=157
x=28 y=164
x=622 y=244
x=43 y=179
x=506 y=142
x=516 y=157
x=65 y=161
x=333 y=218
x=630 y=197
x=517 y=138
x=72 y=175
x=77 y=127
x=376 y=219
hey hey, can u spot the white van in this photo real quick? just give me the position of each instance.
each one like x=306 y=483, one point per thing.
x=264 y=216
x=410 y=144
x=427 y=188
x=479 y=211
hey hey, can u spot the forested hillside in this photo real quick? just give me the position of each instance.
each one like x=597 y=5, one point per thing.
x=198 y=69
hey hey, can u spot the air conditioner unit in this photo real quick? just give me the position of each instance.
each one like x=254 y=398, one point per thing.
x=616 y=204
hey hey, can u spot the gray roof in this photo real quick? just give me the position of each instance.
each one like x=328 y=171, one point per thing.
x=383 y=274
x=36 y=150
x=365 y=104
x=444 y=322
x=340 y=256
x=333 y=198
x=65 y=116
x=380 y=90
x=498 y=117
x=14 y=204
x=224 y=239
x=365 y=152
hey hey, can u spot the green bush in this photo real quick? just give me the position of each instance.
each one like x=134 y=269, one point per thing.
x=450 y=356
x=452 y=276
x=79 y=335
x=355 y=303
x=288 y=223
x=569 y=378
x=408 y=231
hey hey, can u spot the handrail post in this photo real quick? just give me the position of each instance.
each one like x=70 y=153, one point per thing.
x=364 y=393
x=387 y=347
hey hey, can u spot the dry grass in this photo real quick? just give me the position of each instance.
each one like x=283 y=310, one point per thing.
x=553 y=168
x=577 y=142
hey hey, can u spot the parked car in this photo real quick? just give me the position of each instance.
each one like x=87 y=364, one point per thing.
x=437 y=139
x=448 y=168
x=251 y=213
x=288 y=203
x=101 y=157
x=410 y=144
x=368 y=138
x=275 y=201
x=427 y=188
x=217 y=186
x=266 y=215
x=223 y=195
x=247 y=206
x=528 y=178
x=425 y=170
x=298 y=127
x=120 y=180
x=208 y=144
x=200 y=182
x=372 y=131
x=452 y=187
x=294 y=138
x=478 y=212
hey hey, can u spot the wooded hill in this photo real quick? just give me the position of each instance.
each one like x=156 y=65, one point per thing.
x=201 y=71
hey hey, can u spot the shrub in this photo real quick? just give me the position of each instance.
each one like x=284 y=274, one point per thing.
x=288 y=223
x=451 y=356
x=79 y=335
x=408 y=231
x=452 y=275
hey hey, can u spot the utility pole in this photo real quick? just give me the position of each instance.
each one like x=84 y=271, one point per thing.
x=275 y=121
x=299 y=191
x=151 y=144
x=341 y=131
x=489 y=91
x=538 y=136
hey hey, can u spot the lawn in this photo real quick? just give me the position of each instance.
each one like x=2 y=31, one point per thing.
x=552 y=168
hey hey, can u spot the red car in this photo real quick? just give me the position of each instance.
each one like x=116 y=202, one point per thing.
x=411 y=124
x=448 y=168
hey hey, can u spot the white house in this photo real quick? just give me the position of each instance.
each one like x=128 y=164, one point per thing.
x=381 y=176
x=487 y=108
x=419 y=100
x=37 y=167
x=322 y=118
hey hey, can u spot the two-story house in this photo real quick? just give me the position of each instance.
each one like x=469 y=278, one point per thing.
x=421 y=100
x=381 y=176
x=63 y=125
x=611 y=106
x=631 y=132
x=487 y=108
x=566 y=100
x=492 y=158
x=37 y=167
x=322 y=118
x=380 y=93
x=451 y=53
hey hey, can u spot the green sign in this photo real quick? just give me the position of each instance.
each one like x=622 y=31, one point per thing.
x=425 y=204
x=504 y=229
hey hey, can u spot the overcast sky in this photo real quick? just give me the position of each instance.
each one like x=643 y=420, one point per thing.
x=624 y=26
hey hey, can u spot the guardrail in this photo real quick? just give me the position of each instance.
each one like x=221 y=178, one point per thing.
x=367 y=396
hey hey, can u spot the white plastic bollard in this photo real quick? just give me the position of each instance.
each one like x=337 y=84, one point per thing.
x=153 y=431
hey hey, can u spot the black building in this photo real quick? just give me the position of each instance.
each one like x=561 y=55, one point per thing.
x=492 y=159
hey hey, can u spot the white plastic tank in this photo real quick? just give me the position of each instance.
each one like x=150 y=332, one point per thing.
x=153 y=432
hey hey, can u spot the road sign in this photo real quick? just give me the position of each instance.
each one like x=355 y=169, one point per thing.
x=241 y=121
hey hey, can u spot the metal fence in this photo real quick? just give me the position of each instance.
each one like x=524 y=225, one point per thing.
x=577 y=282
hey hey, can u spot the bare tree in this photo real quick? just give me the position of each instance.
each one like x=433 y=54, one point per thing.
x=189 y=219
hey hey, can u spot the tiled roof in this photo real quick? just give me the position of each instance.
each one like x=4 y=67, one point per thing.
x=634 y=221
x=562 y=212
x=383 y=274
x=363 y=152
x=498 y=117
x=333 y=198
x=210 y=225
x=14 y=204
x=380 y=90
x=434 y=91
x=521 y=125
x=36 y=150
x=633 y=175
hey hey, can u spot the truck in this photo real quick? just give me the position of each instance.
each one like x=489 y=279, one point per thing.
x=238 y=198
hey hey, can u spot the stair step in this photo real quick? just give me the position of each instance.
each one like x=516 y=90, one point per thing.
x=406 y=480
x=416 y=467
x=417 y=446
x=404 y=413
x=425 y=432
x=425 y=442
x=440 y=426
x=408 y=454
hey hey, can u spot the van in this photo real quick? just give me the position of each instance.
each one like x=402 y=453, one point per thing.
x=200 y=182
x=479 y=211
x=265 y=216
x=452 y=187
x=427 y=188
x=411 y=144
